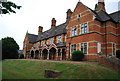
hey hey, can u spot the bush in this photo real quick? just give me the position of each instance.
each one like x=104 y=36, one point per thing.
x=118 y=54
x=77 y=56
x=21 y=56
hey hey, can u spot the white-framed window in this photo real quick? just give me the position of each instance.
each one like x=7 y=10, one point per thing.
x=42 y=43
x=73 y=48
x=59 y=39
x=84 y=28
x=74 y=31
x=114 y=49
x=98 y=47
x=51 y=41
x=47 y=42
x=84 y=47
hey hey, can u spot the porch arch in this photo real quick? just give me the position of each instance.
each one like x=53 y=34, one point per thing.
x=52 y=53
x=63 y=54
x=32 y=54
x=44 y=54
x=36 y=54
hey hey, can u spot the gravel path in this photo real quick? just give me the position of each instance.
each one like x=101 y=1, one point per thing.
x=73 y=62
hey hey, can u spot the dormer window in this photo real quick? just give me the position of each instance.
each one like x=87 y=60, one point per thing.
x=42 y=43
x=59 y=39
x=74 y=31
x=51 y=41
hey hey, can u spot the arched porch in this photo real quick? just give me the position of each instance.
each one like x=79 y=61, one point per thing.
x=44 y=54
x=32 y=54
x=52 y=54
x=36 y=54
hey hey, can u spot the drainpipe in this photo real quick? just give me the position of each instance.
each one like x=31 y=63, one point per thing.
x=106 y=37
x=69 y=51
x=69 y=47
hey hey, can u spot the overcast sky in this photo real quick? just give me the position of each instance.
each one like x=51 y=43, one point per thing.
x=36 y=13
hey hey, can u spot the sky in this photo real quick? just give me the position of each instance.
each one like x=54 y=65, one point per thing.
x=35 y=13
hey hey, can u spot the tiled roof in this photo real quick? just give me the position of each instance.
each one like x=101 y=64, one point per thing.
x=61 y=29
x=116 y=16
x=32 y=38
x=62 y=44
x=104 y=16
x=58 y=30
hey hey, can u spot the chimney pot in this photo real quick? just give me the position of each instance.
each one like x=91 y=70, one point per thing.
x=53 y=23
x=100 y=6
x=40 y=29
x=69 y=13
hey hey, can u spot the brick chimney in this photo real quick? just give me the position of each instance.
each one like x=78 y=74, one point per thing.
x=100 y=6
x=53 y=23
x=40 y=29
x=69 y=13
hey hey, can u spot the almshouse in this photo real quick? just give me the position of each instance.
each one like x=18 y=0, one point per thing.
x=92 y=31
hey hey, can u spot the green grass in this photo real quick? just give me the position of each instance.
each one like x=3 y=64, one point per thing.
x=26 y=69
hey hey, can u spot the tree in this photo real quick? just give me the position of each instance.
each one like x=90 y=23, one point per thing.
x=7 y=7
x=9 y=48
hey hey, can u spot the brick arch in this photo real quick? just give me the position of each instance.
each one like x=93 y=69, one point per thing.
x=32 y=49
x=44 y=53
x=36 y=54
x=52 y=53
x=45 y=47
x=32 y=54
x=36 y=48
x=52 y=46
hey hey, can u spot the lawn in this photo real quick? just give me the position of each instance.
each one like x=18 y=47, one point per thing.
x=27 y=69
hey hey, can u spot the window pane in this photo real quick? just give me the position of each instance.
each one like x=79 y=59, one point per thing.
x=85 y=48
x=84 y=28
x=74 y=31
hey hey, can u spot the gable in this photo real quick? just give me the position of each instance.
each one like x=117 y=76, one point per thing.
x=80 y=7
x=26 y=39
x=85 y=13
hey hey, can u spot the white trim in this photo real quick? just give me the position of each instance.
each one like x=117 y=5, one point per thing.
x=87 y=48
x=99 y=47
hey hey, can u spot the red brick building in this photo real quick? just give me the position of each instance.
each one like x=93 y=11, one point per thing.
x=91 y=31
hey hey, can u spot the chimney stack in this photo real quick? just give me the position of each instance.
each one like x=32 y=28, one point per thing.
x=69 y=13
x=53 y=23
x=100 y=6
x=40 y=29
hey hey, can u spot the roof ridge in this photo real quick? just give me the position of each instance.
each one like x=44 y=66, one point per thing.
x=32 y=34
x=114 y=12
x=53 y=28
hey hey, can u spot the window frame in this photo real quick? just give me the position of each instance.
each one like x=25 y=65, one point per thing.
x=51 y=41
x=59 y=40
x=84 y=47
x=73 y=31
x=73 y=48
x=84 y=29
x=42 y=43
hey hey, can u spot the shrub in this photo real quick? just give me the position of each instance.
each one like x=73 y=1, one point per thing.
x=21 y=56
x=77 y=56
x=118 y=54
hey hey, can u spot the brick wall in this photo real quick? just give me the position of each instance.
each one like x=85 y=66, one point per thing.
x=110 y=62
